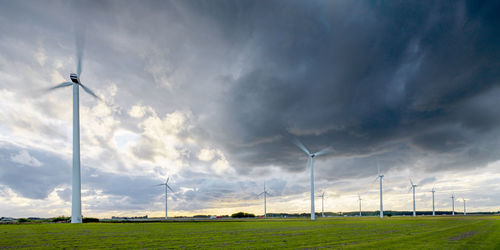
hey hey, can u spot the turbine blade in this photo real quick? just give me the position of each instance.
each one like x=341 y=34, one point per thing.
x=378 y=168
x=411 y=181
x=324 y=151
x=410 y=189
x=260 y=194
x=90 y=92
x=168 y=178
x=61 y=85
x=158 y=185
x=301 y=146
x=80 y=42
x=169 y=188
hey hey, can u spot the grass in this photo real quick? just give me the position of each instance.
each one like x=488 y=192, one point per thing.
x=459 y=232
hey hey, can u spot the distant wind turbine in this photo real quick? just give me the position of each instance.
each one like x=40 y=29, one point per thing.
x=322 y=204
x=380 y=177
x=76 y=200
x=167 y=187
x=413 y=186
x=310 y=162
x=465 y=213
x=359 y=199
x=452 y=204
x=433 y=210
x=265 y=193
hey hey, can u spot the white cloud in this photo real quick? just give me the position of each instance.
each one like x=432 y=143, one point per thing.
x=206 y=154
x=24 y=157
x=221 y=165
x=137 y=111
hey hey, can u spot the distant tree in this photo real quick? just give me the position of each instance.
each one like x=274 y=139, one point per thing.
x=61 y=219
x=89 y=219
x=22 y=220
x=201 y=216
x=242 y=215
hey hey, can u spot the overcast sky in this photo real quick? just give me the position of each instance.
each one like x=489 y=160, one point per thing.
x=212 y=93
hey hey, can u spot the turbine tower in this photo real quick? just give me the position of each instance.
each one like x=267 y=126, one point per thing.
x=265 y=193
x=413 y=186
x=167 y=187
x=433 y=210
x=322 y=204
x=76 y=200
x=359 y=199
x=310 y=162
x=452 y=204
x=380 y=177
x=465 y=213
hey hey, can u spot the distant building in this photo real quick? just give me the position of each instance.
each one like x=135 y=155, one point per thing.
x=7 y=219
x=129 y=218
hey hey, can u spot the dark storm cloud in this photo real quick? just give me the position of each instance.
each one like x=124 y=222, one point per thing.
x=357 y=76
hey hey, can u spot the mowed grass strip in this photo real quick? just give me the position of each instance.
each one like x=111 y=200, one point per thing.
x=459 y=232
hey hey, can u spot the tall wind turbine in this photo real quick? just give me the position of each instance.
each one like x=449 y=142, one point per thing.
x=433 y=210
x=452 y=204
x=310 y=162
x=265 y=193
x=359 y=199
x=413 y=186
x=76 y=200
x=167 y=187
x=322 y=204
x=465 y=213
x=380 y=177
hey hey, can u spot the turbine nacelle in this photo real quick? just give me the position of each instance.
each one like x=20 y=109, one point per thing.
x=74 y=78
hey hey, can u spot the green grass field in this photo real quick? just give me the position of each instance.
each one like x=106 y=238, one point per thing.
x=471 y=232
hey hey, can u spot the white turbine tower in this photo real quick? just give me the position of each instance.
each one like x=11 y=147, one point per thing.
x=359 y=199
x=310 y=162
x=322 y=204
x=380 y=177
x=465 y=213
x=413 y=186
x=265 y=193
x=452 y=204
x=167 y=187
x=76 y=200
x=433 y=209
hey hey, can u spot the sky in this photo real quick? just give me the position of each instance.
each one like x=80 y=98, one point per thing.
x=213 y=93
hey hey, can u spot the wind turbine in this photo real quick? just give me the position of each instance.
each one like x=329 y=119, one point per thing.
x=322 y=204
x=452 y=204
x=413 y=186
x=380 y=176
x=465 y=213
x=166 y=195
x=310 y=162
x=76 y=200
x=359 y=199
x=265 y=193
x=433 y=210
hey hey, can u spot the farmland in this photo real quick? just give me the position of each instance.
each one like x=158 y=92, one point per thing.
x=471 y=232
